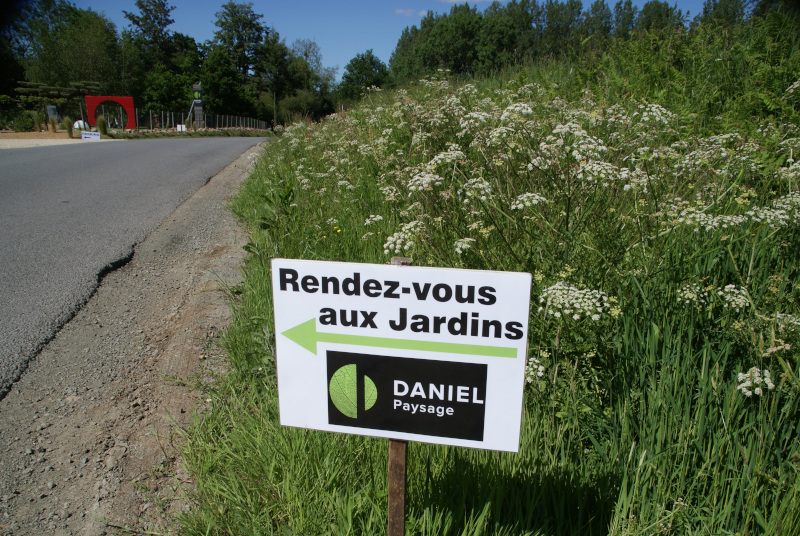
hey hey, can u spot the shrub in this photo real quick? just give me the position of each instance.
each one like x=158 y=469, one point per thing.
x=66 y=124
x=37 y=121
x=102 y=125
x=23 y=122
x=53 y=125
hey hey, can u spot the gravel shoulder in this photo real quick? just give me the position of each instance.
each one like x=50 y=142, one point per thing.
x=90 y=435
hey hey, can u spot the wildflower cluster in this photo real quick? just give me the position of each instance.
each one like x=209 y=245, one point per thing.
x=534 y=370
x=734 y=297
x=787 y=322
x=463 y=244
x=527 y=199
x=402 y=240
x=563 y=299
x=373 y=218
x=424 y=181
x=693 y=293
x=753 y=380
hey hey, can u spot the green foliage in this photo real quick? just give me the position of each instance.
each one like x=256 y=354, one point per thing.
x=240 y=34
x=67 y=44
x=649 y=411
x=102 y=125
x=624 y=18
x=363 y=72
x=150 y=29
x=221 y=84
x=24 y=122
x=66 y=124
x=658 y=15
x=164 y=90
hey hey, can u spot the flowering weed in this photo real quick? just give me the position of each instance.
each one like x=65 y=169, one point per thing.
x=664 y=262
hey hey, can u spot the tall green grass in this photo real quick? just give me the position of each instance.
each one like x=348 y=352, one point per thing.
x=642 y=421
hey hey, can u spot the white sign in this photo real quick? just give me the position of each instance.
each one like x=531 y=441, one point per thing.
x=413 y=353
x=89 y=135
x=181 y=128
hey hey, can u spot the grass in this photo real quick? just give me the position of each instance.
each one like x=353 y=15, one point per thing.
x=662 y=394
x=143 y=135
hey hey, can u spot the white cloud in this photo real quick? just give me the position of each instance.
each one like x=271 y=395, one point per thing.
x=409 y=12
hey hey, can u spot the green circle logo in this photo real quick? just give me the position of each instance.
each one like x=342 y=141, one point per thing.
x=343 y=391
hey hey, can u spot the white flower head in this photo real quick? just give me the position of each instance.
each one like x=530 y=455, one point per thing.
x=463 y=244
x=754 y=381
x=563 y=298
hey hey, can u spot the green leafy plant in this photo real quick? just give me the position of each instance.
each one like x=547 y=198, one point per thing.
x=66 y=124
x=102 y=125
x=24 y=122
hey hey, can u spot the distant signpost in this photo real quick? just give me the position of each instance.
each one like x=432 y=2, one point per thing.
x=197 y=93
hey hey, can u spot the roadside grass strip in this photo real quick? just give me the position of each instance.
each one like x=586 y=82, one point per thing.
x=662 y=394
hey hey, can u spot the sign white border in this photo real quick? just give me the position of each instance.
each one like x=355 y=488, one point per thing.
x=496 y=297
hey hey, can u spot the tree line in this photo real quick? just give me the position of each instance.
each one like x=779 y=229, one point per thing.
x=477 y=44
x=55 y=52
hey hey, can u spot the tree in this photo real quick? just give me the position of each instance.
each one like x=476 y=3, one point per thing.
x=562 y=23
x=658 y=15
x=222 y=90
x=273 y=69
x=452 y=40
x=363 y=71
x=624 y=18
x=150 y=28
x=726 y=13
x=68 y=44
x=165 y=91
x=12 y=68
x=309 y=50
x=598 y=21
x=241 y=33
x=407 y=62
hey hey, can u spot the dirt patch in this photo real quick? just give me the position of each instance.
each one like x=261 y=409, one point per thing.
x=44 y=135
x=89 y=436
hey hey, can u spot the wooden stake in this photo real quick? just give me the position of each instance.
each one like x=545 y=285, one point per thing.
x=397 y=466
x=397 y=487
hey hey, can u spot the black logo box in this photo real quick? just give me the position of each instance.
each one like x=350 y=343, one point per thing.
x=466 y=421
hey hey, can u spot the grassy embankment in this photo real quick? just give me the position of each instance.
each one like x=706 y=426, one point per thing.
x=661 y=223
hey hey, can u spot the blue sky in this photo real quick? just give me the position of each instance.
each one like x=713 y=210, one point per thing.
x=341 y=29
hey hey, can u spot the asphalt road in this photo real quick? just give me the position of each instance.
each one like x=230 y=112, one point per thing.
x=70 y=213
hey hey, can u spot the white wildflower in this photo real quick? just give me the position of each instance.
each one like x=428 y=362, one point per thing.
x=563 y=298
x=787 y=322
x=373 y=218
x=693 y=293
x=527 y=199
x=734 y=297
x=403 y=240
x=752 y=381
x=453 y=154
x=476 y=189
x=516 y=111
x=533 y=370
x=424 y=181
x=463 y=244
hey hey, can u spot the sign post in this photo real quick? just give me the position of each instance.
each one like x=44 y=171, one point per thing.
x=402 y=352
x=397 y=467
x=198 y=105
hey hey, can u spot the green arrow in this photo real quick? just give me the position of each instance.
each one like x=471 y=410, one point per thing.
x=307 y=336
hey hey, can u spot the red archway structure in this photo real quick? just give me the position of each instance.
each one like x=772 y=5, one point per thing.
x=125 y=102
